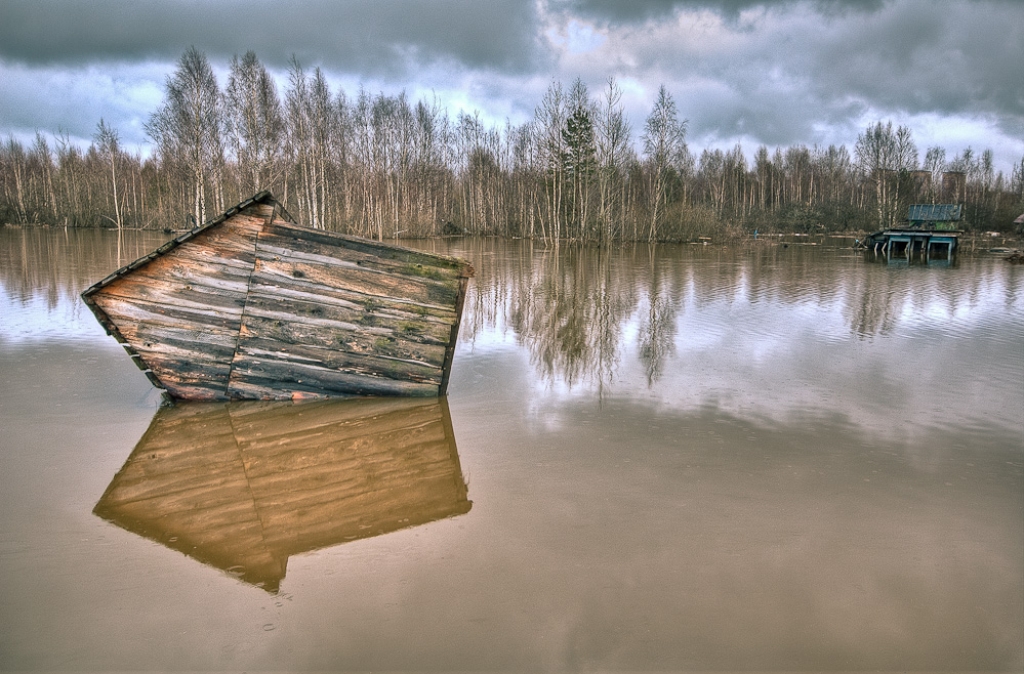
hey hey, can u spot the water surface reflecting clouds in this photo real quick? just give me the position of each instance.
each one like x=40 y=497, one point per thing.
x=679 y=458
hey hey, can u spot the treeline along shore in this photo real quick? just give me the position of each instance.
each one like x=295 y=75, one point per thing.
x=383 y=166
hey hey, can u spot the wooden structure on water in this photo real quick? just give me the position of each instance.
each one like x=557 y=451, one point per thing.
x=930 y=232
x=254 y=306
x=242 y=486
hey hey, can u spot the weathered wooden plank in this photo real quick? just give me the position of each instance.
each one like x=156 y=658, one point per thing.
x=375 y=255
x=408 y=341
x=188 y=373
x=204 y=380
x=279 y=279
x=173 y=280
x=369 y=364
x=334 y=274
x=269 y=379
x=375 y=272
x=133 y=315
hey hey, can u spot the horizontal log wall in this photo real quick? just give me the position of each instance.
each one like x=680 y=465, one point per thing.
x=181 y=312
x=252 y=306
x=327 y=315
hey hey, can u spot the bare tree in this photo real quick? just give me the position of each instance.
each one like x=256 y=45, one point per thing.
x=42 y=151
x=15 y=165
x=613 y=151
x=885 y=157
x=664 y=144
x=187 y=127
x=549 y=119
x=109 y=145
x=254 y=122
x=935 y=165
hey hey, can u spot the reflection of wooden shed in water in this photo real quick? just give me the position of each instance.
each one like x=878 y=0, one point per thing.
x=254 y=306
x=243 y=486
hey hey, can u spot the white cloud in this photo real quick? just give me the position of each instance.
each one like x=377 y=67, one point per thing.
x=52 y=99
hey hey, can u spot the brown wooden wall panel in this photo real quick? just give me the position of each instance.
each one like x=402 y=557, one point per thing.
x=181 y=312
x=256 y=375
x=253 y=306
x=327 y=313
x=338 y=332
x=257 y=353
x=338 y=286
x=376 y=255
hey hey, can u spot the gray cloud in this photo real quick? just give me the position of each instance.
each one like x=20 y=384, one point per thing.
x=643 y=10
x=783 y=72
x=377 y=38
x=960 y=61
x=797 y=72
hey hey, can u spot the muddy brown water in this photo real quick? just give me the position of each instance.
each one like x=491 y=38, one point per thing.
x=674 y=458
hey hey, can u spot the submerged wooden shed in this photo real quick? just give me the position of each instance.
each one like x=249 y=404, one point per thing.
x=930 y=231
x=252 y=305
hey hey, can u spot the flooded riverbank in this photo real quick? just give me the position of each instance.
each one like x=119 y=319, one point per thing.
x=675 y=458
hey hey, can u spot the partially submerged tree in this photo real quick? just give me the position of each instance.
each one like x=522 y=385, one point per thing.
x=254 y=123
x=886 y=158
x=108 y=141
x=187 y=127
x=613 y=152
x=549 y=120
x=579 y=157
x=664 y=147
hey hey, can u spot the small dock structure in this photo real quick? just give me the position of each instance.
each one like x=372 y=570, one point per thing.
x=931 y=232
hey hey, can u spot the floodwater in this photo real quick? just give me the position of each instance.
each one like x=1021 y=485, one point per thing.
x=670 y=458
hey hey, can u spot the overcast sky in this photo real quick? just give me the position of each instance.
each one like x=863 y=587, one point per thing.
x=778 y=73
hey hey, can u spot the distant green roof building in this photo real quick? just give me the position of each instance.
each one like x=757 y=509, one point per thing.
x=934 y=216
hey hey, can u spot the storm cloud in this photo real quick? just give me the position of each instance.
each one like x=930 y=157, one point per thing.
x=393 y=37
x=776 y=73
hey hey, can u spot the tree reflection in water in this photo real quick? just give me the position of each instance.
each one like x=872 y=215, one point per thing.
x=580 y=310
